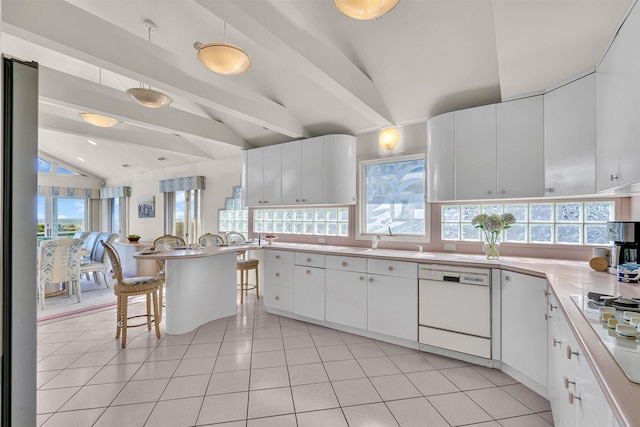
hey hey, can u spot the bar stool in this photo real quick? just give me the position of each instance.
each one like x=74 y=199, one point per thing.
x=174 y=242
x=244 y=265
x=125 y=288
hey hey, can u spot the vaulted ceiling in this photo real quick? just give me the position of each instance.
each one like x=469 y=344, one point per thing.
x=315 y=71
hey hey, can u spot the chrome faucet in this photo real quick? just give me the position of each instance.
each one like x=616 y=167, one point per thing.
x=374 y=242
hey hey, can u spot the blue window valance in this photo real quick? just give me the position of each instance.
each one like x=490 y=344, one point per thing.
x=68 y=192
x=182 y=184
x=111 y=192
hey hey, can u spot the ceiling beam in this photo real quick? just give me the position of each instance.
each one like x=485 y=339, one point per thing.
x=65 y=28
x=73 y=92
x=316 y=59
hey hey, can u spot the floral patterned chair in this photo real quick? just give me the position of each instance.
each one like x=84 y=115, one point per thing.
x=59 y=261
x=209 y=239
x=173 y=242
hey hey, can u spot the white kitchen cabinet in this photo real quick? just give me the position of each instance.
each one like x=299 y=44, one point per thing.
x=520 y=142
x=524 y=327
x=475 y=153
x=570 y=138
x=339 y=170
x=346 y=291
x=279 y=276
x=618 y=109
x=441 y=162
x=263 y=185
x=309 y=287
x=303 y=172
x=392 y=297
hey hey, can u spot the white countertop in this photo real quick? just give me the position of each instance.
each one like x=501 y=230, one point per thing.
x=565 y=278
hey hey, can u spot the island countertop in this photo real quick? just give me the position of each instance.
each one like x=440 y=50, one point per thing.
x=564 y=277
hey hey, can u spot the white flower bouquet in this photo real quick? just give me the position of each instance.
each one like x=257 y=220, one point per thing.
x=492 y=226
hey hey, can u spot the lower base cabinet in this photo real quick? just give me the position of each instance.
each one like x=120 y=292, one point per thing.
x=393 y=306
x=346 y=298
x=278 y=297
x=309 y=292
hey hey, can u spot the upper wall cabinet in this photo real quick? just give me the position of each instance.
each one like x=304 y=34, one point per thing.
x=570 y=138
x=314 y=171
x=263 y=176
x=618 y=109
x=441 y=161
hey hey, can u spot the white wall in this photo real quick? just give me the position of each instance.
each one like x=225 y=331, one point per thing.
x=221 y=177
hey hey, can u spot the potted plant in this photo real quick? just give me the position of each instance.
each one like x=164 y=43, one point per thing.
x=133 y=238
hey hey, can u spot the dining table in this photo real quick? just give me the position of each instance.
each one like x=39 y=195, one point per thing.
x=201 y=284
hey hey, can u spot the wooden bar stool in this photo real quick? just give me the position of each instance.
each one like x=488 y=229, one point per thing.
x=124 y=288
x=244 y=265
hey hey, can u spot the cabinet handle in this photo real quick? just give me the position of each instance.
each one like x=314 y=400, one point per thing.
x=361 y=278
x=265 y=201
x=547 y=317
x=489 y=192
x=549 y=190
x=552 y=307
x=370 y=279
x=567 y=382
x=503 y=191
x=344 y=263
x=259 y=201
x=277 y=256
x=546 y=293
x=507 y=278
x=572 y=397
x=304 y=200
x=614 y=177
x=556 y=342
x=390 y=268
x=277 y=274
x=277 y=298
x=308 y=271
x=308 y=259
x=570 y=353
x=297 y=200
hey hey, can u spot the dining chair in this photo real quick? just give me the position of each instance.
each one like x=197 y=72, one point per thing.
x=209 y=239
x=125 y=288
x=81 y=235
x=59 y=261
x=244 y=264
x=97 y=261
x=173 y=242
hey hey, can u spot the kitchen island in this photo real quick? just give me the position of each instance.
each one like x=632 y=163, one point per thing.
x=200 y=285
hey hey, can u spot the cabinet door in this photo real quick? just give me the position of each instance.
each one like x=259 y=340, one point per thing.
x=475 y=151
x=346 y=298
x=441 y=158
x=291 y=172
x=339 y=170
x=520 y=145
x=524 y=328
x=392 y=307
x=312 y=164
x=570 y=139
x=254 y=178
x=309 y=292
x=272 y=175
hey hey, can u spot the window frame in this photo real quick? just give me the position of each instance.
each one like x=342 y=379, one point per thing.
x=360 y=233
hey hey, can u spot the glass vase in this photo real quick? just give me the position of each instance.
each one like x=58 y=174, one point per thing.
x=492 y=250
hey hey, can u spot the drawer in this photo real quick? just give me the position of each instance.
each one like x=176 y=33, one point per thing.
x=393 y=268
x=279 y=274
x=309 y=259
x=278 y=297
x=271 y=256
x=346 y=263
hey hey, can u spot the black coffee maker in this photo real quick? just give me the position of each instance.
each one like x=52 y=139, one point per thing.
x=625 y=238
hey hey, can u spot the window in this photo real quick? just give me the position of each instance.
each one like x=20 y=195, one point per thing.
x=60 y=218
x=393 y=191
x=317 y=221
x=572 y=223
x=235 y=217
x=48 y=166
x=183 y=214
x=44 y=165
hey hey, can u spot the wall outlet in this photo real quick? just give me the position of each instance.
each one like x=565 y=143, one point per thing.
x=322 y=240
x=449 y=246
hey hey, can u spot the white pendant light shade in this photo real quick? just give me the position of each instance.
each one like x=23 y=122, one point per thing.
x=99 y=120
x=223 y=58
x=365 y=9
x=149 y=97
x=389 y=138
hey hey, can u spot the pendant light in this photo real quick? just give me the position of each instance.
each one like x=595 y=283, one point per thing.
x=99 y=120
x=388 y=139
x=146 y=96
x=223 y=58
x=365 y=9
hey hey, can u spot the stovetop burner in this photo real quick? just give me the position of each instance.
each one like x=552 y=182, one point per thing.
x=619 y=303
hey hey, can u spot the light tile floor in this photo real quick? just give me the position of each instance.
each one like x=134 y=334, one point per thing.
x=257 y=369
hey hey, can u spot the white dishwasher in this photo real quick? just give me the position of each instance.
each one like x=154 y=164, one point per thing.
x=455 y=309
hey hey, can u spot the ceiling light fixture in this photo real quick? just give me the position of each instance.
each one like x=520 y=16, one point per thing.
x=148 y=97
x=99 y=120
x=388 y=139
x=365 y=10
x=223 y=58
